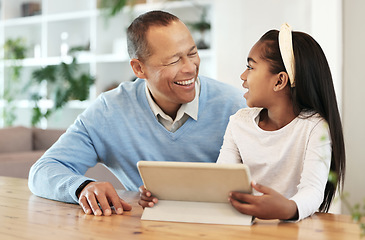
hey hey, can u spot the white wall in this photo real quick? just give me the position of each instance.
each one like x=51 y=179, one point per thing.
x=240 y=23
x=354 y=97
x=326 y=28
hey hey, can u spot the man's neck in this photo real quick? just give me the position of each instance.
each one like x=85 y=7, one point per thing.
x=172 y=110
x=168 y=109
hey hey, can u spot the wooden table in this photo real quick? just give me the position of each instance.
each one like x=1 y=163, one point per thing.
x=25 y=216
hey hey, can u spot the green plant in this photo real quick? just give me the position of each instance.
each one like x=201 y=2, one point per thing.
x=112 y=7
x=14 y=49
x=357 y=210
x=64 y=83
x=202 y=26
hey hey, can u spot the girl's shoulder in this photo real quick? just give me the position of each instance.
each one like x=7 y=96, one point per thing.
x=312 y=121
x=311 y=117
x=246 y=114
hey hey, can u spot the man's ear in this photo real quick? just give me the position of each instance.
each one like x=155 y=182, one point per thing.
x=281 y=81
x=138 y=68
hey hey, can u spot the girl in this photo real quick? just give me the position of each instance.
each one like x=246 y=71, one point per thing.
x=291 y=136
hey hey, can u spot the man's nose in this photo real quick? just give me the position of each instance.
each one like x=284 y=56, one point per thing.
x=189 y=65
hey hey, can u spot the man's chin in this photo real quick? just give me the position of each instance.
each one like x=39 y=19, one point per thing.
x=189 y=99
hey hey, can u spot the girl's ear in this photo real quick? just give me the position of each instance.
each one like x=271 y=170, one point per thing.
x=138 y=68
x=281 y=82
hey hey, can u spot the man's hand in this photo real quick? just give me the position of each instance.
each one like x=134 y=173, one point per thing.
x=103 y=194
x=271 y=205
x=147 y=200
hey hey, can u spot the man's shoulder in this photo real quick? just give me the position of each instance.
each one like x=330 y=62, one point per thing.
x=129 y=88
x=122 y=95
x=215 y=83
x=214 y=86
x=216 y=94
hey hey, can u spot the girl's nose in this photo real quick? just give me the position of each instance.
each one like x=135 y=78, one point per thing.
x=244 y=75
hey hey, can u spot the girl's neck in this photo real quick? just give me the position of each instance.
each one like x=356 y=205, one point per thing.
x=277 y=118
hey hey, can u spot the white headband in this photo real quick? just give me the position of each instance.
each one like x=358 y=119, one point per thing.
x=286 y=50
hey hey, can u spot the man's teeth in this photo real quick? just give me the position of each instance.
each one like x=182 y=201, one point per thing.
x=185 y=82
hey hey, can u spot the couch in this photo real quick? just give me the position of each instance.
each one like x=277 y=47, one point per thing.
x=20 y=147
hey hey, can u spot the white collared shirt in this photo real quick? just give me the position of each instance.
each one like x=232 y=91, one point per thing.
x=186 y=110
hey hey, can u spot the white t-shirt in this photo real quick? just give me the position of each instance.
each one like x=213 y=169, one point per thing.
x=294 y=160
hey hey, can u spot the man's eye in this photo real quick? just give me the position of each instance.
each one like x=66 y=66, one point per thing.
x=249 y=67
x=174 y=62
x=193 y=53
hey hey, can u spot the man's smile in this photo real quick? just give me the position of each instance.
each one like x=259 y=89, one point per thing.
x=185 y=83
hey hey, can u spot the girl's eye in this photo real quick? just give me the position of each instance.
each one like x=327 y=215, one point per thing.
x=249 y=67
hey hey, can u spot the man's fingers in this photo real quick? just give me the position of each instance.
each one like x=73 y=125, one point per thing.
x=85 y=205
x=115 y=201
x=104 y=204
x=98 y=197
x=120 y=205
x=126 y=206
x=117 y=205
x=94 y=205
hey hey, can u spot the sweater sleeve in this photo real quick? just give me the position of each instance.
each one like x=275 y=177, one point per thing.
x=59 y=172
x=315 y=171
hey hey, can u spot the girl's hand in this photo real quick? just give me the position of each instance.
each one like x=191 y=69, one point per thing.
x=147 y=200
x=271 y=205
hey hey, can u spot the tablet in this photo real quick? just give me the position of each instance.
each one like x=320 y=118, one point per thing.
x=195 y=182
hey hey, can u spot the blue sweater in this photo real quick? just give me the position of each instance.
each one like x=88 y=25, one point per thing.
x=119 y=129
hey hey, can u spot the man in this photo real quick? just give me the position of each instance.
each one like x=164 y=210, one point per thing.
x=167 y=114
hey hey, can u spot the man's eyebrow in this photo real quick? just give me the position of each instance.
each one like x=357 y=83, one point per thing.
x=251 y=60
x=192 y=48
